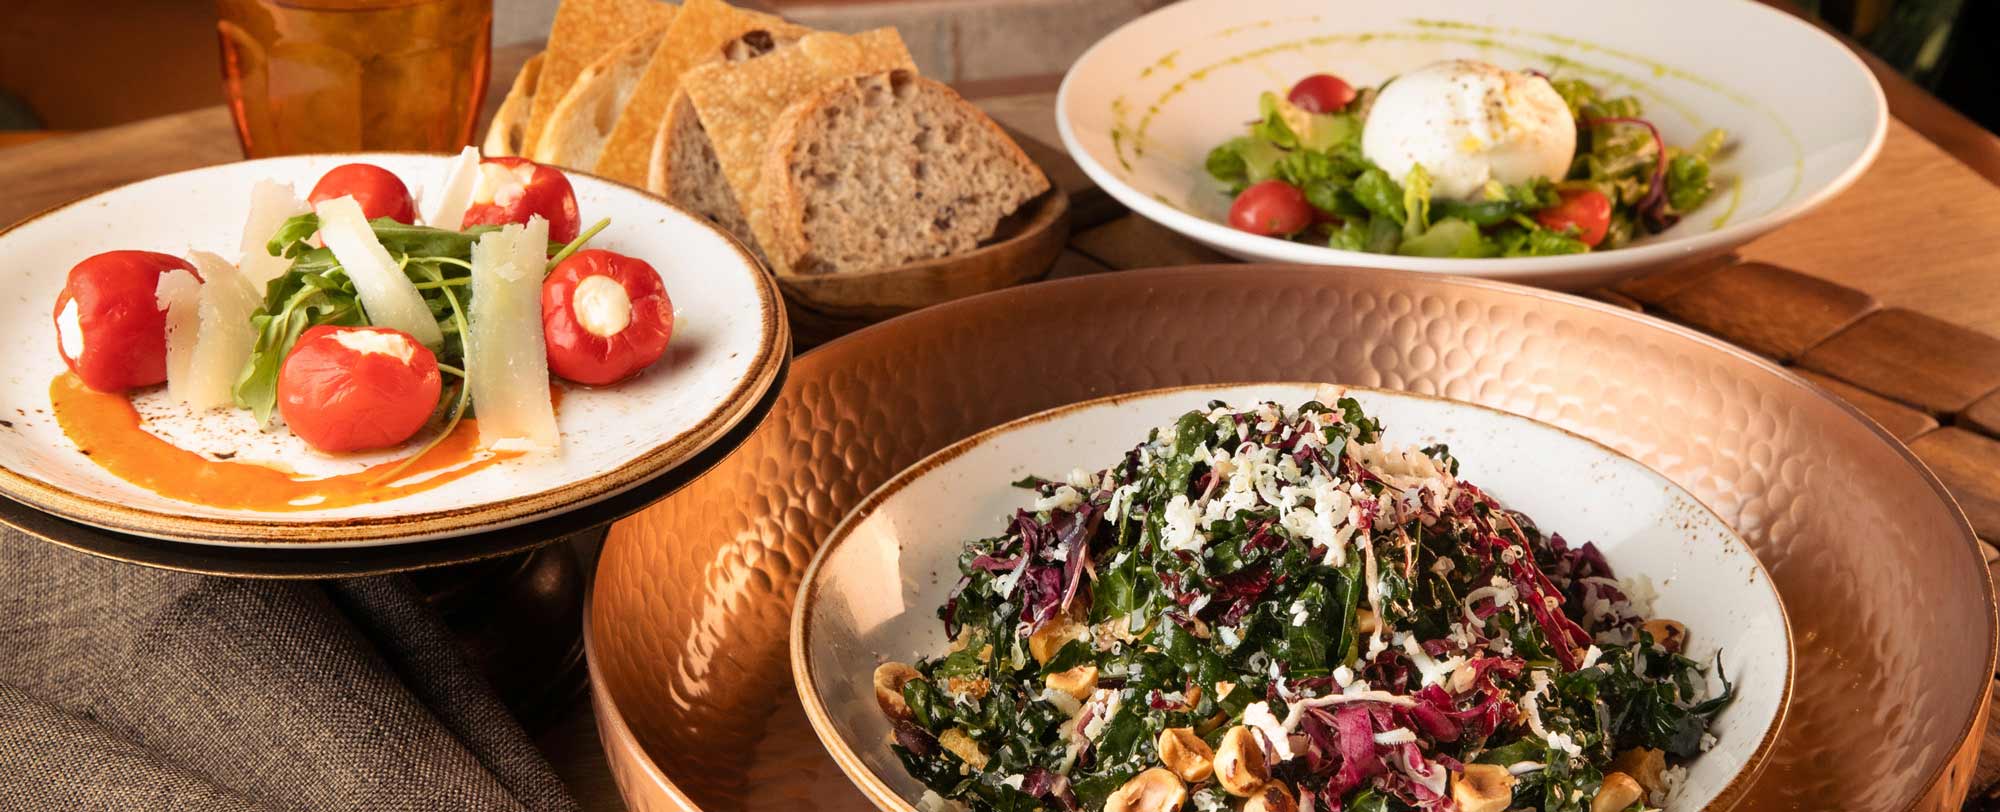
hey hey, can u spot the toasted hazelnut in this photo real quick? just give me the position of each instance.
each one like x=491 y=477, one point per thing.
x=1646 y=766
x=1273 y=796
x=1671 y=635
x=1155 y=790
x=1365 y=622
x=974 y=687
x=1053 y=635
x=1077 y=682
x=1618 y=793
x=1186 y=754
x=1239 y=765
x=962 y=745
x=1483 y=788
x=889 y=681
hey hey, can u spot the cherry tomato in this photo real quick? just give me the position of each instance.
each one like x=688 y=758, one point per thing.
x=1271 y=208
x=1586 y=209
x=119 y=321
x=1321 y=93
x=605 y=317
x=511 y=190
x=357 y=388
x=379 y=191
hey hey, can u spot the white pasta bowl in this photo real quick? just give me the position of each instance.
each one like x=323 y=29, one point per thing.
x=872 y=592
x=1140 y=110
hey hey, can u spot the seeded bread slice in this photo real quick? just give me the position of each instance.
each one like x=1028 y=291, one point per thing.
x=881 y=170
x=686 y=171
x=583 y=118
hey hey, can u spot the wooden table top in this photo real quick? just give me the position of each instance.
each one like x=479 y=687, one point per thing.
x=1889 y=294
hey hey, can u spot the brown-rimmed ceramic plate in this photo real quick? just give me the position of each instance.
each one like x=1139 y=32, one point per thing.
x=1891 y=608
x=850 y=618
x=730 y=341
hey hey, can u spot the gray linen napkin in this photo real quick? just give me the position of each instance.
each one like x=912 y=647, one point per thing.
x=129 y=688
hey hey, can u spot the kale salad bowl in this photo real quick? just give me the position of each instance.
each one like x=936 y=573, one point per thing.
x=1289 y=596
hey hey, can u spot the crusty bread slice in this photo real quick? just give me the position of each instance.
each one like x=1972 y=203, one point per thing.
x=510 y=122
x=881 y=170
x=584 y=117
x=687 y=172
x=739 y=101
x=584 y=31
x=702 y=31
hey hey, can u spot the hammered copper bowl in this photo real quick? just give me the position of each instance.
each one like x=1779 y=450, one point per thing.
x=1891 y=607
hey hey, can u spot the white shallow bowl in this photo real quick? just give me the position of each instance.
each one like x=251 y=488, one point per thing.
x=1140 y=111
x=728 y=344
x=850 y=616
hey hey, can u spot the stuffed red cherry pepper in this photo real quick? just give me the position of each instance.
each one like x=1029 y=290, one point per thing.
x=114 y=334
x=511 y=190
x=357 y=388
x=605 y=317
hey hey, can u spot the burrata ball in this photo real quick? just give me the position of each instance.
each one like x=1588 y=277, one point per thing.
x=1467 y=123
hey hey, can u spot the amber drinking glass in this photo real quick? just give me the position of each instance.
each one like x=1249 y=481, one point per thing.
x=346 y=75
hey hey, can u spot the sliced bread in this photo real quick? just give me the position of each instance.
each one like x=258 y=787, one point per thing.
x=738 y=102
x=687 y=172
x=510 y=121
x=702 y=31
x=881 y=170
x=583 y=118
x=583 y=32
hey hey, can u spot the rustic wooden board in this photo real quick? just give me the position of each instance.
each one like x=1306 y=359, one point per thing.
x=1775 y=311
x=1915 y=358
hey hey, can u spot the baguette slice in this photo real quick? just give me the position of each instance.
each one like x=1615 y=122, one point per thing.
x=702 y=31
x=583 y=118
x=882 y=170
x=509 y=129
x=583 y=32
x=739 y=101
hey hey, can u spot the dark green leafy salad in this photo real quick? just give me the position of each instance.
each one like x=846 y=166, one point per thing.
x=1311 y=168
x=1268 y=610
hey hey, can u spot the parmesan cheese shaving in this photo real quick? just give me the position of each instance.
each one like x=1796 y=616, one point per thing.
x=1258 y=716
x=179 y=293
x=505 y=359
x=224 y=337
x=387 y=295
x=271 y=204
x=446 y=207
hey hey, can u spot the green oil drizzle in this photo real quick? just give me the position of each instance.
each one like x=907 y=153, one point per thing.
x=1124 y=135
x=1735 y=199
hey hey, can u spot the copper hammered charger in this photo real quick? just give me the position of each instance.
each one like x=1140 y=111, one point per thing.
x=1891 y=608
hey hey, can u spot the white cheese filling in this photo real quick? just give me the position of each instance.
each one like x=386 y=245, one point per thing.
x=601 y=305
x=376 y=342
